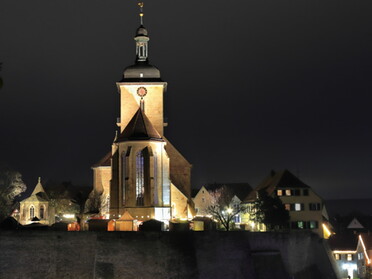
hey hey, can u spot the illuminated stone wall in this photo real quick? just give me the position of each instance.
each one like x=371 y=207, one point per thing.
x=102 y=177
x=164 y=255
x=130 y=101
x=179 y=203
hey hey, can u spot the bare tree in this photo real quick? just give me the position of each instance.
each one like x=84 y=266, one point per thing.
x=93 y=203
x=224 y=206
x=11 y=186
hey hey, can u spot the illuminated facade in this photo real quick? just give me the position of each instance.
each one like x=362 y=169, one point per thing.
x=204 y=198
x=364 y=256
x=143 y=174
x=306 y=208
x=37 y=205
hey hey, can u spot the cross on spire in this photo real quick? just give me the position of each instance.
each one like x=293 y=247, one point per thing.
x=140 y=4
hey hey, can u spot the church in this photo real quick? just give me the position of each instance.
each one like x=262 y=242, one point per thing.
x=143 y=174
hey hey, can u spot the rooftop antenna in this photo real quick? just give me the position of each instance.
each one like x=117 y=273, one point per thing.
x=140 y=4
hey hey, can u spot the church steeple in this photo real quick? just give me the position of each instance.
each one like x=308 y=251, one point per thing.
x=141 y=71
x=141 y=38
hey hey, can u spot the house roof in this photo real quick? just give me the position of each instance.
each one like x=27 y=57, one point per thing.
x=282 y=179
x=38 y=188
x=139 y=128
x=38 y=194
x=241 y=190
x=367 y=240
x=343 y=241
x=356 y=222
x=104 y=162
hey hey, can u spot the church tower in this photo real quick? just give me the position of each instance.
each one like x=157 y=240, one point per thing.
x=142 y=79
x=143 y=174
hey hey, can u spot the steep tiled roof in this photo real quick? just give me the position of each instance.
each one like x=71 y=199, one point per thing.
x=282 y=179
x=139 y=128
x=104 y=162
x=343 y=241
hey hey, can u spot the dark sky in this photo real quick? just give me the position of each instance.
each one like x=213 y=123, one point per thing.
x=252 y=86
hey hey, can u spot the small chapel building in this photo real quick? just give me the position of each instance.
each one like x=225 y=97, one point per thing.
x=37 y=207
x=143 y=174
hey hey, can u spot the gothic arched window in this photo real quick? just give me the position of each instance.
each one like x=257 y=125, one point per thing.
x=156 y=178
x=42 y=210
x=140 y=178
x=124 y=173
x=32 y=212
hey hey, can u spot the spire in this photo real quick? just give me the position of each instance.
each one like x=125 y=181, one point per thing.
x=141 y=39
x=38 y=188
x=140 y=4
x=141 y=70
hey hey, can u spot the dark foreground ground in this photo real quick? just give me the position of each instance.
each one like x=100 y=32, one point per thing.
x=45 y=254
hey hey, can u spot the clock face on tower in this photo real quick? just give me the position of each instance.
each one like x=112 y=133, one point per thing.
x=141 y=91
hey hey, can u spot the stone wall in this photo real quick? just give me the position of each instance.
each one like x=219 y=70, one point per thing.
x=46 y=254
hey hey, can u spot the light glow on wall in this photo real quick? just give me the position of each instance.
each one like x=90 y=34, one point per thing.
x=326 y=232
x=69 y=216
x=364 y=249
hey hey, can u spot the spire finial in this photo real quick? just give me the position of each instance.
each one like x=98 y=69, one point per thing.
x=39 y=180
x=140 y=4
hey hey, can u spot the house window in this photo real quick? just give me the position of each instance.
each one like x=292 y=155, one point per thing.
x=203 y=200
x=360 y=256
x=140 y=178
x=236 y=218
x=32 y=212
x=300 y=224
x=42 y=212
x=337 y=257
x=314 y=206
x=305 y=192
x=296 y=192
x=349 y=257
x=287 y=206
x=298 y=206
x=279 y=193
x=313 y=224
x=288 y=192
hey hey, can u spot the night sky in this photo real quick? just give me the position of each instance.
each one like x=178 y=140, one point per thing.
x=252 y=86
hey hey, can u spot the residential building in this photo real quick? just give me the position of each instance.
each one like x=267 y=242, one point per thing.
x=306 y=208
x=364 y=255
x=206 y=196
x=344 y=251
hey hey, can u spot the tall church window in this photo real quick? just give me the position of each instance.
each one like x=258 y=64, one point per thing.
x=140 y=178
x=155 y=178
x=124 y=173
x=42 y=210
x=32 y=212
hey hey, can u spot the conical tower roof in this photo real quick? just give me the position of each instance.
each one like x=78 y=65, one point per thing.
x=39 y=191
x=139 y=128
x=38 y=188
